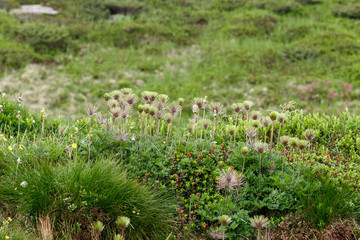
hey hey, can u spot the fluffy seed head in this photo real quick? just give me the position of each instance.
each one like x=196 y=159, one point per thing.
x=199 y=102
x=266 y=121
x=140 y=108
x=126 y=91
x=261 y=147
x=112 y=103
x=106 y=97
x=273 y=115
x=231 y=129
x=302 y=144
x=152 y=96
x=216 y=108
x=255 y=115
x=131 y=98
x=173 y=108
x=237 y=107
x=259 y=222
x=224 y=220
x=205 y=123
x=247 y=105
x=116 y=94
x=152 y=111
x=285 y=140
x=98 y=226
x=217 y=233
x=115 y=112
x=159 y=114
x=168 y=118
x=281 y=117
x=190 y=127
x=229 y=179
x=244 y=151
x=163 y=98
x=310 y=134
x=123 y=222
x=146 y=108
x=91 y=110
x=255 y=124
x=195 y=109
x=294 y=142
x=251 y=132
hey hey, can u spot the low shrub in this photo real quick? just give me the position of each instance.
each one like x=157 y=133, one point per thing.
x=251 y=23
x=347 y=11
x=16 y=55
x=277 y=6
x=44 y=37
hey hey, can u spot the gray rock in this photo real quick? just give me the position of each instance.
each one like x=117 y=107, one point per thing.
x=34 y=9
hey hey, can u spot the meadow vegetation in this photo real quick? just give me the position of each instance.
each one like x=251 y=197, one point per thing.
x=234 y=119
x=137 y=168
x=265 y=51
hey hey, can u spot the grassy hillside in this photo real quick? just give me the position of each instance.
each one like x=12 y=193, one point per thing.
x=267 y=51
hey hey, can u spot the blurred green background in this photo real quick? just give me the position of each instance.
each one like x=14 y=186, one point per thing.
x=266 y=51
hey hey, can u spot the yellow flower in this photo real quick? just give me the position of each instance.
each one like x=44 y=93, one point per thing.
x=11 y=137
x=74 y=146
x=7 y=237
x=10 y=148
x=5 y=139
x=10 y=219
x=21 y=148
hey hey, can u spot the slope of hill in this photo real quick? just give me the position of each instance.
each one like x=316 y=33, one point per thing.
x=267 y=51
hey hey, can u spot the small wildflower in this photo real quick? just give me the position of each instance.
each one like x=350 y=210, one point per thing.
x=10 y=219
x=7 y=237
x=18 y=161
x=10 y=148
x=74 y=146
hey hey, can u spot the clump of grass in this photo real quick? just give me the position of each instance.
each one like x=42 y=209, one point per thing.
x=106 y=189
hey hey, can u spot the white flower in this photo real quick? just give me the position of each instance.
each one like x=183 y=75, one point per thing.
x=18 y=160
x=23 y=184
x=133 y=138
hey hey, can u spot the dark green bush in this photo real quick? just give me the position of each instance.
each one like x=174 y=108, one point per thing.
x=278 y=6
x=251 y=23
x=16 y=55
x=44 y=37
x=347 y=11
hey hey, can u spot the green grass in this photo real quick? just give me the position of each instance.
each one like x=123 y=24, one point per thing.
x=226 y=50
